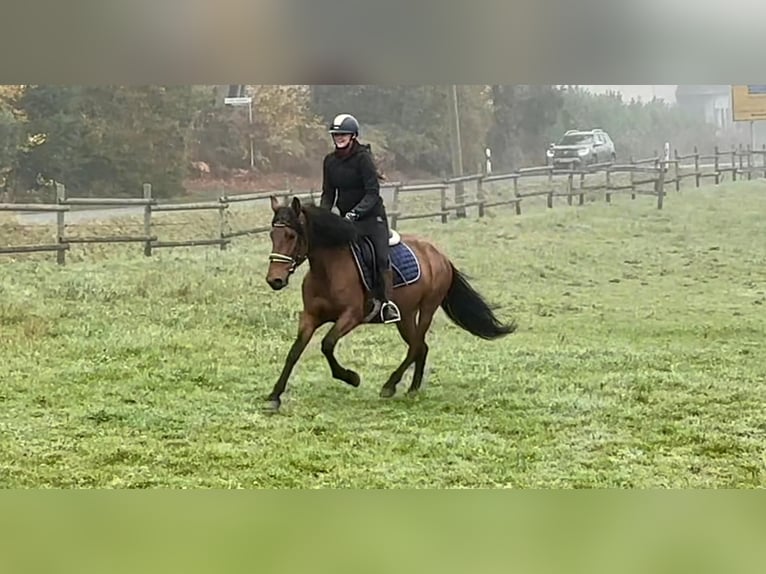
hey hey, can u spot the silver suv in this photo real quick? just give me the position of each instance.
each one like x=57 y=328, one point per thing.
x=581 y=148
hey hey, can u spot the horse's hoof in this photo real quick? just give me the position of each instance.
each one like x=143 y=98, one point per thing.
x=271 y=407
x=412 y=393
x=387 y=392
x=353 y=379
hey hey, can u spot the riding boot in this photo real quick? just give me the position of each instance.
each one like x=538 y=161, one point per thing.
x=389 y=312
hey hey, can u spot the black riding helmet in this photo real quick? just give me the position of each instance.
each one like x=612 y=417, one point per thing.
x=344 y=124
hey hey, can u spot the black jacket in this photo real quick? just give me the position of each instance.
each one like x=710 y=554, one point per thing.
x=351 y=182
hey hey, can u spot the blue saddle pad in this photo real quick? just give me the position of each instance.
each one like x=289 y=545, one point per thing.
x=404 y=263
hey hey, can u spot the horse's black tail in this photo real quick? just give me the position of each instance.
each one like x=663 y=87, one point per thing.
x=469 y=311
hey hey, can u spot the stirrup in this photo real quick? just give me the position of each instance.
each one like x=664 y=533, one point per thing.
x=397 y=314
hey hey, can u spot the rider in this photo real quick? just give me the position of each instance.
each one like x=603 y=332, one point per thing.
x=351 y=181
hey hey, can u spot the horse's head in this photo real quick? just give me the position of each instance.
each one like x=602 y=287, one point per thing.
x=289 y=244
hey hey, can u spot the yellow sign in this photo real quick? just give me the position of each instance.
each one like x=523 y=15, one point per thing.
x=748 y=103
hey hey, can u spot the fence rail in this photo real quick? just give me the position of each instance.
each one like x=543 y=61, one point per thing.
x=646 y=176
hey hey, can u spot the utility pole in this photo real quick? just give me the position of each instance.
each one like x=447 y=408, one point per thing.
x=457 y=149
x=239 y=99
x=250 y=130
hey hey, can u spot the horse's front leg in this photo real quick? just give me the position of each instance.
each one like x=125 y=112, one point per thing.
x=347 y=321
x=307 y=326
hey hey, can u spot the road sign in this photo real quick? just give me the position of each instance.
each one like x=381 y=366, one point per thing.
x=238 y=101
x=748 y=103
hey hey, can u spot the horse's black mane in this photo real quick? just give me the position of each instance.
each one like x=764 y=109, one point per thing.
x=327 y=229
x=323 y=229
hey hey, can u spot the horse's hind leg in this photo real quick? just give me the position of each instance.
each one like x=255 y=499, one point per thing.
x=342 y=327
x=427 y=312
x=408 y=330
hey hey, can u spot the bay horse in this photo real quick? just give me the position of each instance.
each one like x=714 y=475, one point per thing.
x=336 y=290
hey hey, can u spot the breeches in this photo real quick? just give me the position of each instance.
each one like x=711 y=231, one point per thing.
x=379 y=237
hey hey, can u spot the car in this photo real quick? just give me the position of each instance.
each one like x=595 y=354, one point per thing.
x=581 y=148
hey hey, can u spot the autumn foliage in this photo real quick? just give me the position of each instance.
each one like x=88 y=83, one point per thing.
x=109 y=139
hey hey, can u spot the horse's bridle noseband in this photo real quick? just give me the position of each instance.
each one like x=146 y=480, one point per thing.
x=282 y=258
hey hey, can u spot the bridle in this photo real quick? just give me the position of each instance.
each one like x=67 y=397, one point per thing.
x=282 y=258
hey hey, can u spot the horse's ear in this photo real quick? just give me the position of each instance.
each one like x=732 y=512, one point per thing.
x=274 y=203
x=296 y=205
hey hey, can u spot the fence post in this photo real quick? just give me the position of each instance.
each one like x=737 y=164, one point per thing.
x=716 y=166
x=678 y=169
x=549 y=196
x=608 y=185
x=60 y=224
x=763 y=158
x=696 y=167
x=550 y=186
x=660 y=186
x=749 y=162
x=223 y=212
x=443 y=203
x=570 y=188
x=632 y=180
x=516 y=194
x=480 y=196
x=395 y=207
x=459 y=194
x=733 y=162
x=148 y=220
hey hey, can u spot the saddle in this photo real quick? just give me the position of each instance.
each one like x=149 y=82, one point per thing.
x=404 y=264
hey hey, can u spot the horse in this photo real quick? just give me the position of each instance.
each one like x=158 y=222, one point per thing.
x=335 y=290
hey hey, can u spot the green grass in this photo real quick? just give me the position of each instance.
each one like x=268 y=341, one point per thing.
x=639 y=362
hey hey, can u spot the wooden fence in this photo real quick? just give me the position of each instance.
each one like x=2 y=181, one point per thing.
x=650 y=176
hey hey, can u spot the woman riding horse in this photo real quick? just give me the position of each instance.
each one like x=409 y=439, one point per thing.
x=351 y=182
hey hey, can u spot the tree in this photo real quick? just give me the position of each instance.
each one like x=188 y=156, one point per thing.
x=522 y=118
x=287 y=135
x=409 y=125
x=639 y=129
x=10 y=143
x=108 y=140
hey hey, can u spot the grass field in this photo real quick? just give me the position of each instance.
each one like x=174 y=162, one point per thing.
x=639 y=362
